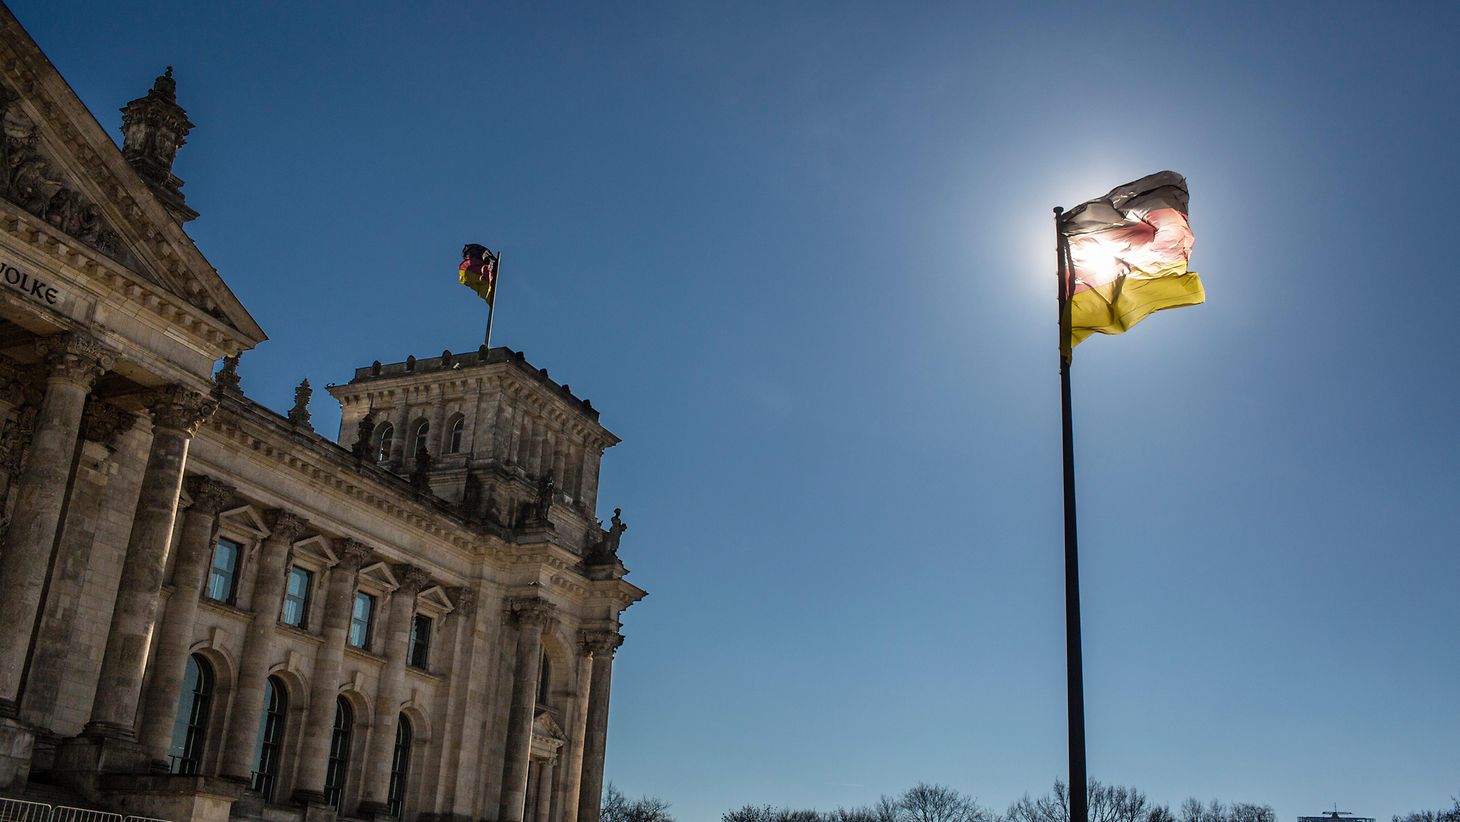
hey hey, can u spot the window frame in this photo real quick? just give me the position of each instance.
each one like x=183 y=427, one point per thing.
x=199 y=701
x=384 y=439
x=234 y=574
x=455 y=434
x=400 y=766
x=418 y=654
x=337 y=766
x=369 y=629
x=420 y=437
x=273 y=725
x=305 y=602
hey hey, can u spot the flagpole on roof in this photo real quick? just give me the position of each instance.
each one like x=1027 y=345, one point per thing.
x=496 y=290
x=1074 y=663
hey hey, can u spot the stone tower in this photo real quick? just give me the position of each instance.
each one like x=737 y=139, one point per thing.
x=484 y=431
x=154 y=127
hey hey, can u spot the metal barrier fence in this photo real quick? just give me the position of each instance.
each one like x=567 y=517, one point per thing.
x=18 y=810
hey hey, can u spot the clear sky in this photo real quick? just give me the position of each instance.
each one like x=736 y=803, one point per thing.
x=800 y=256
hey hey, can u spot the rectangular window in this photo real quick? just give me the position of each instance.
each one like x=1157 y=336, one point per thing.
x=223 y=576
x=420 y=641
x=361 y=619
x=296 y=597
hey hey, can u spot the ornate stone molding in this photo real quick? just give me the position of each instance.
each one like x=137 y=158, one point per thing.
x=299 y=414
x=179 y=408
x=465 y=600
x=413 y=579
x=284 y=525
x=104 y=423
x=75 y=358
x=599 y=643
x=352 y=553
x=209 y=495
x=531 y=612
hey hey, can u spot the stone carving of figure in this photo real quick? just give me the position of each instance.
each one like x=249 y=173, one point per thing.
x=616 y=530
x=545 y=491
x=421 y=473
x=299 y=414
x=363 y=433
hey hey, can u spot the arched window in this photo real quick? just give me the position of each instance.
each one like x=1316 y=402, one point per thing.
x=423 y=431
x=271 y=738
x=453 y=437
x=339 y=761
x=385 y=440
x=544 y=681
x=400 y=767
x=190 y=729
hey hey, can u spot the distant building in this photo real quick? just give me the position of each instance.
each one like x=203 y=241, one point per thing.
x=211 y=611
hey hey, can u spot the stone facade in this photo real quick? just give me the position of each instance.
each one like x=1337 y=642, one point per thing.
x=211 y=611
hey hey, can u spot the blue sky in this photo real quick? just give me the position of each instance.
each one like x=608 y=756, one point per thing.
x=800 y=256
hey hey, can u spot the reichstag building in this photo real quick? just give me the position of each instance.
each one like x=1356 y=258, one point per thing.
x=212 y=611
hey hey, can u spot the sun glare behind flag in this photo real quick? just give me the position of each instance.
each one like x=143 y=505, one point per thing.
x=1126 y=256
x=478 y=271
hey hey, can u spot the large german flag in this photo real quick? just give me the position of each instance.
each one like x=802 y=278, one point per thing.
x=478 y=271
x=1127 y=254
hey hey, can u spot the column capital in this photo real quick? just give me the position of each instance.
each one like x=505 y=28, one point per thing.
x=104 y=423
x=465 y=600
x=412 y=579
x=176 y=407
x=531 y=612
x=352 y=553
x=600 y=643
x=284 y=525
x=209 y=495
x=75 y=358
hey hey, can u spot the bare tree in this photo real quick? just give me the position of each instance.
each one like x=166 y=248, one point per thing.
x=618 y=808
x=885 y=809
x=939 y=803
x=1442 y=815
x=767 y=813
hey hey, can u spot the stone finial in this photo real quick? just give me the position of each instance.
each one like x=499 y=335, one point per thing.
x=226 y=381
x=531 y=612
x=75 y=358
x=209 y=495
x=364 y=431
x=413 y=579
x=299 y=414
x=104 y=423
x=176 y=407
x=599 y=643
x=284 y=525
x=421 y=472
x=154 y=127
x=352 y=553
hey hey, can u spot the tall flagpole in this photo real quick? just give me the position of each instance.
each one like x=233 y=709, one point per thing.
x=496 y=290
x=1074 y=663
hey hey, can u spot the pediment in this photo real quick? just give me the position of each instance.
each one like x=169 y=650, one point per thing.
x=61 y=167
x=435 y=598
x=547 y=727
x=245 y=518
x=316 y=548
x=380 y=575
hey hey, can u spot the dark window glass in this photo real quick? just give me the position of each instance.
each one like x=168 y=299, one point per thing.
x=190 y=728
x=223 y=576
x=544 y=681
x=420 y=654
x=387 y=438
x=361 y=619
x=296 y=597
x=423 y=431
x=400 y=766
x=271 y=738
x=339 y=761
x=453 y=443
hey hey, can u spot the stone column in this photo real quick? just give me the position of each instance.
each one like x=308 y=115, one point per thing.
x=392 y=684
x=74 y=362
x=574 y=763
x=590 y=796
x=324 y=684
x=544 y=790
x=102 y=426
x=175 y=629
x=400 y=417
x=532 y=616
x=176 y=414
x=258 y=645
